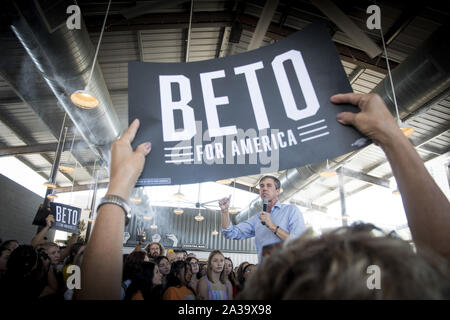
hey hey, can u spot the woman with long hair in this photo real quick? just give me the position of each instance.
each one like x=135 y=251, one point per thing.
x=146 y=284
x=178 y=282
x=229 y=273
x=240 y=275
x=193 y=262
x=215 y=285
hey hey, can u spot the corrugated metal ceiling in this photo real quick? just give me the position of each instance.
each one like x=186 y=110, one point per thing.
x=169 y=45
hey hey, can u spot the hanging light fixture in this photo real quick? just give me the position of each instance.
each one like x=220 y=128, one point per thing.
x=215 y=232
x=52 y=196
x=148 y=218
x=136 y=196
x=50 y=185
x=73 y=183
x=87 y=209
x=153 y=226
x=84 y=98
x=224 y=181
x=407 y=130
x=178 y=211
x=199 y=217
x=233 y=209
x=67 y=167
x=178 y=195
x=328 y=172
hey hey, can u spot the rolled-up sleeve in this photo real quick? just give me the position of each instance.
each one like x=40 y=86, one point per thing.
x=241 y=231
x=296 y=223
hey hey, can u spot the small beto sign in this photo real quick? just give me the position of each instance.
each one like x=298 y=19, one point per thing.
x=66 y=217
x=252 y=113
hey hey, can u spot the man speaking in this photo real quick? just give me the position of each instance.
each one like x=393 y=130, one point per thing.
x=276 y=223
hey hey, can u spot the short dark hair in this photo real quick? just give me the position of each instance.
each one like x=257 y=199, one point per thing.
x=334 y=266
x=275 y=181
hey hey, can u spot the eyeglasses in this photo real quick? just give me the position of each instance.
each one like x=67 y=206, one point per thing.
x=193 y=263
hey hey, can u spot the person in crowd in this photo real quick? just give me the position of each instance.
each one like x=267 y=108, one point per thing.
x=28 y=276
x=280 y=222
x=178 y=282
x=154 y=250
x=4 y=256
x=427 y=210
x=39 y=241
x=339 y=264
x=146 y=284
x=191 y=255
x=164 y=268
x=229 y=273
x=171 y=255
x=240 y=275
x=131 y=267
x=203 y=269
x=353 y=263
x=248 y=271
x=10 y=244
x=180 y=255
x=193 y=262
x=215 y=285
x=270 y=248
x=74 y=250
x=77 y=261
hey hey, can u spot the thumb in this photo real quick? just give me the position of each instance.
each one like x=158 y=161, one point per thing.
x=346 y=118
x=144 y=148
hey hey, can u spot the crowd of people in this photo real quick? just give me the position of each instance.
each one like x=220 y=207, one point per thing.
x=41 y=271
x=335 y=265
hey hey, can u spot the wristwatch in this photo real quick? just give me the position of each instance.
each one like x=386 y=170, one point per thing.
x=118 y=201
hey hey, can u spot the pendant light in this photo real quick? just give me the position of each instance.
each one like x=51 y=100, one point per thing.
x=178 y=211
x=178 y=195
x=84 y=98
x=51 y=183
x=87 y=209
x=233 y=209
x=407 y=130
x=67 y=167
x=328 y=172
x=215 y=232
x=199 y=217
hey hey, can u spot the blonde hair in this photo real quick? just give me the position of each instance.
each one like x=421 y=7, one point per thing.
x=222 y=277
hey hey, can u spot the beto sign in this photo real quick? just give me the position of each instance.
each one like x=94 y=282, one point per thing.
x=271 y=106
x=66 y=217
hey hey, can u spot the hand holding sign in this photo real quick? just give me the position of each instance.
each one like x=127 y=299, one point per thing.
x=374 y=121
x=50 y=220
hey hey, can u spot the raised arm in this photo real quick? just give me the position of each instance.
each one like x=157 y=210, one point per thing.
x=40 y=236
x=224 y=204
x=101 y=271
x=427 y=209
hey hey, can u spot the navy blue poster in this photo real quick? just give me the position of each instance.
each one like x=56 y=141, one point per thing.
x=257 y=112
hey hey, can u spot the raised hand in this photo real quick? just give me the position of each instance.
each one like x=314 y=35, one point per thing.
x=224 y=203
x=126 y=164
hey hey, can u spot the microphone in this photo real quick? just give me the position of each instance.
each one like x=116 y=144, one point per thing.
x=265 y=204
